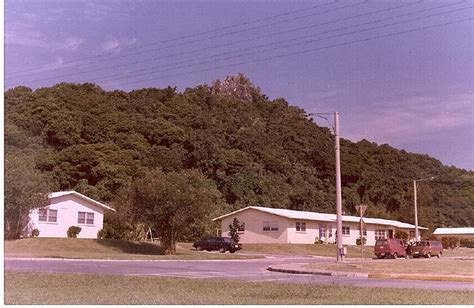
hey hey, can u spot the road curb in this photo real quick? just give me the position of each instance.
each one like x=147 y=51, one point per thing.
x=289 y=270
x=456 y=278
x=322 y=273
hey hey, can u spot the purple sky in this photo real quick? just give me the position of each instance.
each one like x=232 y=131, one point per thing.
x=399 y=72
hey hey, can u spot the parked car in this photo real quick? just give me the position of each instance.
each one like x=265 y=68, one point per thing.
x=222 y=244
x=390 y=248
x=427 y=249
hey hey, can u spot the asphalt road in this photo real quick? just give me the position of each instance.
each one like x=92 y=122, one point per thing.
x=254 y=270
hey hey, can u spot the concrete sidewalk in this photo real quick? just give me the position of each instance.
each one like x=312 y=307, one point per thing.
x=298 y=268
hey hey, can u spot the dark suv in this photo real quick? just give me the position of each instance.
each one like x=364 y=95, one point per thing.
x=222 y=244
x=427 y=249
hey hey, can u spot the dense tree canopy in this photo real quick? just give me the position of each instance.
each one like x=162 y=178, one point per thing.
x=255 y=151
x=25 y=189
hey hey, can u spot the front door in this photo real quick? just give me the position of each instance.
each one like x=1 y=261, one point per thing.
x=390 y=233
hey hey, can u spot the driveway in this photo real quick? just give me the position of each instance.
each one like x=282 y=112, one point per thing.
x=254 y=270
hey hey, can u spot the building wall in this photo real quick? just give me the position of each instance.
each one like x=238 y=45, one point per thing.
x=461 y=236
x=287 y=230
x=254 y=233
x=68 y=207
x=302 y=237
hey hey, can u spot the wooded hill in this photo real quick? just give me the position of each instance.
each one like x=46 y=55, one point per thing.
x=256 y=151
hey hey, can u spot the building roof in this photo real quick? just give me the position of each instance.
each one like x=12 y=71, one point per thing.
x=304 y=215
x=454 y=231
x=75 y=193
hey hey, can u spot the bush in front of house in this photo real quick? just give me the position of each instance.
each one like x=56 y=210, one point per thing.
x=317 y=240
x=466 y=242
x=401 y=235
x=100 y=234
x=450 y=242
x=35 y=233
x=73 y=231
x=358 y=241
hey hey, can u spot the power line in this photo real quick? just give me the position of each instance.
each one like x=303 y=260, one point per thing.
x=112 y=53
x=291 y=45
x=240 y=41
x=307 y=50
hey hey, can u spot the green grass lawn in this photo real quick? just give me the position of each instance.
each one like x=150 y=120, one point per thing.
x=38 y=288
x=118 y=249
x=443 y=266
x=104 y=249
x=326 y=250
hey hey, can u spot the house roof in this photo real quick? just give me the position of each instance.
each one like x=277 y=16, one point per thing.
x=454 y=231
x=304 y=215
x=75 y=193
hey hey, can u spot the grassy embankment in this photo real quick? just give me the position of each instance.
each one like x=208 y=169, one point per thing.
x=117 y=249
x=36 y=288
x=103 y=249
x=443 y=266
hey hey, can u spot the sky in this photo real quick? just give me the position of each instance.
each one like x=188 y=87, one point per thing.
x=398 y=72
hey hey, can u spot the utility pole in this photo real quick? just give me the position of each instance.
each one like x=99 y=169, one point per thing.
x=340 y=248
x=417 y=234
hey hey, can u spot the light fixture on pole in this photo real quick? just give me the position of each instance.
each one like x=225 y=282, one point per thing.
x=417 y=232
x=340 y=248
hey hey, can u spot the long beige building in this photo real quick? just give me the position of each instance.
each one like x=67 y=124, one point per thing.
x=270 y=225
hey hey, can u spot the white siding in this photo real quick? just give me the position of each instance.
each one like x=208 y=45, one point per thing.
x=302 y=237
x=254 y=233
x=68 y=207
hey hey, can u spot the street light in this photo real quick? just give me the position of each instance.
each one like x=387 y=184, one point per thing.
x=417 y=233
x=340 y=248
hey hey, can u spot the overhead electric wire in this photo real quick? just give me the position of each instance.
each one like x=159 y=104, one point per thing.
x=306 y=50
x=239 y=41
x=112 y=53
x=290 y=45
x=204 y=39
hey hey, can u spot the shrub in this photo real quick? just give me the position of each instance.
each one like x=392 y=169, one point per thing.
x=450 y=242
x=401 y=235
x=73 y=231
x=35 y=233
x=100 y=234
x=466 y=242
x=317 y=240
x=364 y=240
x=234 y=229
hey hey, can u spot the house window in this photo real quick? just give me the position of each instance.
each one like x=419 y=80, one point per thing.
x=412 y=234
x=322 y=232
x=380 y=234
x=241 y=228
x=300 y=226
x=270 y=226
x=346 y=231
x=85 y=218
x=48 y=215
x=273 y=226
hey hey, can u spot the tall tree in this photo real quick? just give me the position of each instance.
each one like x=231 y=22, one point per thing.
x=173 y=203
x=25 y=189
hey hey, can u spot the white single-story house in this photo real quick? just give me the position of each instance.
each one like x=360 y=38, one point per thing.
x=455 y=232
x=66 y=209
x=271 y=225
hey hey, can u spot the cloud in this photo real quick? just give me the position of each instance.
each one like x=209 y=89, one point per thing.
x=117 y=45
x=71 y=44
x=411 y=119
x=23 y=34
x=96 y=11
x=110 y=45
